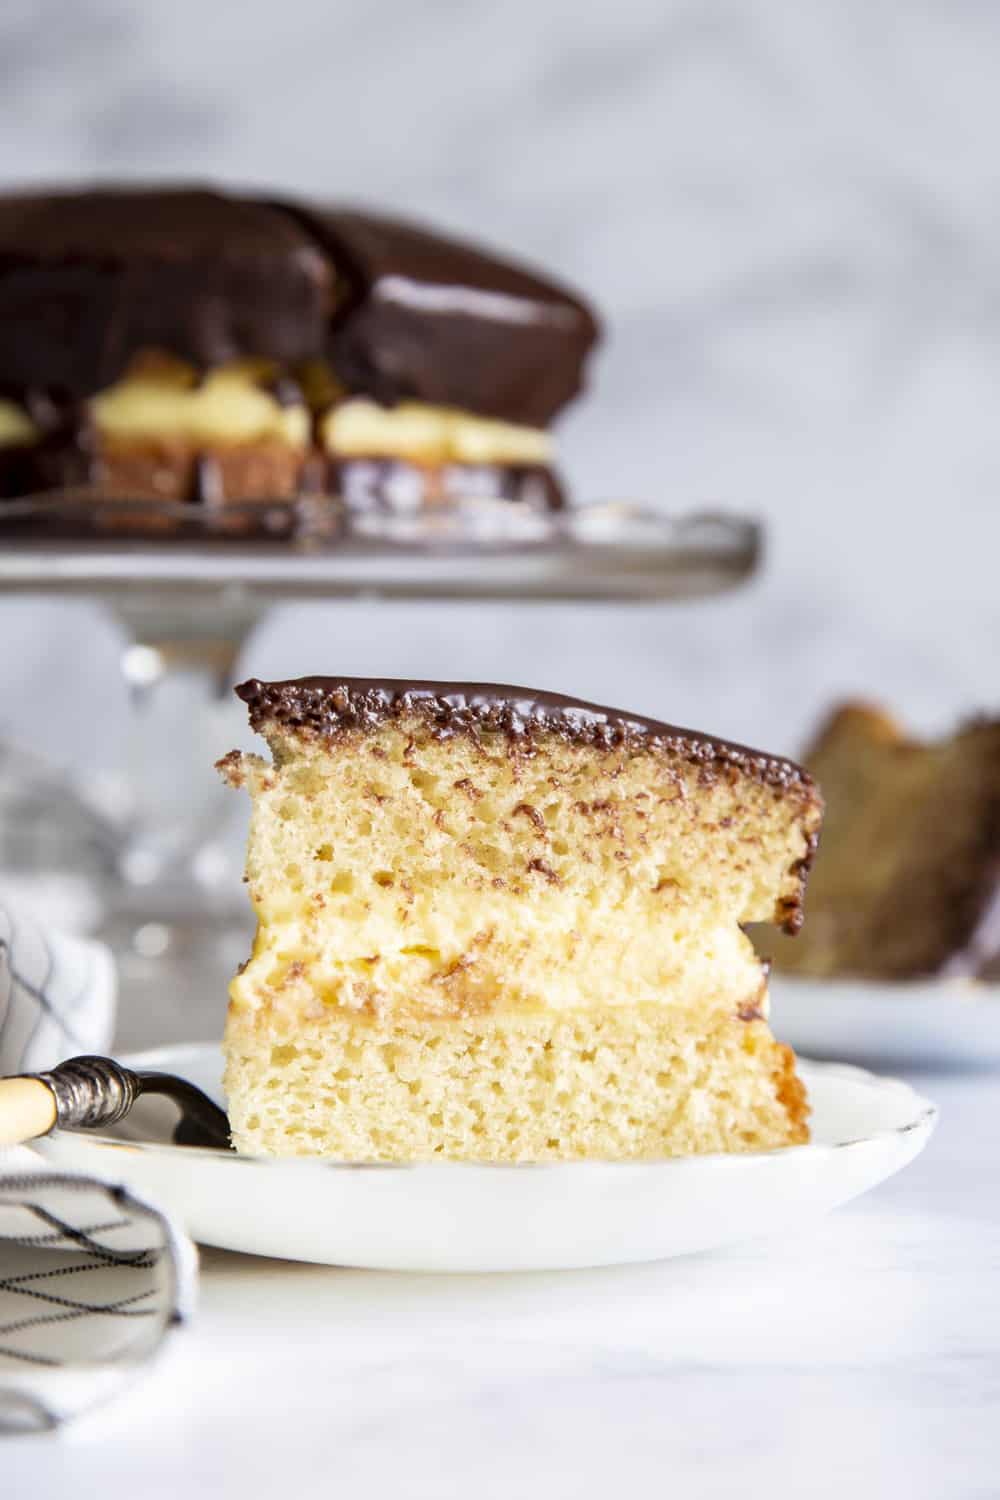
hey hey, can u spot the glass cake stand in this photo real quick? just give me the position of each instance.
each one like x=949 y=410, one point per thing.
x=166 y=881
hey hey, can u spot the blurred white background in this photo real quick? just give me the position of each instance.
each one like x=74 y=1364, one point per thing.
x=788 y=213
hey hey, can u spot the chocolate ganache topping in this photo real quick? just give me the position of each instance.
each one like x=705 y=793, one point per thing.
x=88 y=280
x=330 y=706
x=432 y=319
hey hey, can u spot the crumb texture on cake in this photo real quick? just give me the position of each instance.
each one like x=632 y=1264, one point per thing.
x=907 y=882
x=473 y=873
x=495 y=890
x=630 y=1082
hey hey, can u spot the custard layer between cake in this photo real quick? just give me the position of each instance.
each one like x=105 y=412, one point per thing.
x=251 y=431
x=165 y=401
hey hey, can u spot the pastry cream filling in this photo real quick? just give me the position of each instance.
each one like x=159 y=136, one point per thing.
x=360 y=428
x=577 y=961
x=228 y=405
x=16 y=427
x=161 y=399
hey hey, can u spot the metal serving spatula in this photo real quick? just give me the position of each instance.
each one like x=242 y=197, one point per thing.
x=93 y=1092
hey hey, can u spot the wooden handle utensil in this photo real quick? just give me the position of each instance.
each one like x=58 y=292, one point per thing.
x=94 y=1092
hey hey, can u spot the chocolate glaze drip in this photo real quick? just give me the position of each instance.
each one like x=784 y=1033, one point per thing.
x=284 y=389
x=330 y=706
x=90 y=280
x=315 y=478
x=46 y=413
x=69 y=459
x=65 y=456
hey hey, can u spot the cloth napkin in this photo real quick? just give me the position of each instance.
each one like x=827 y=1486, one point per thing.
x=57 y=995
x=91 y=1277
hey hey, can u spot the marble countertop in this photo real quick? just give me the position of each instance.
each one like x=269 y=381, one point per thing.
x=862 y=1352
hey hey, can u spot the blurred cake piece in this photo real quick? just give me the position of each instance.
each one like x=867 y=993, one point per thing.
x=501 y=925
x=205 y=348
x=907 y=880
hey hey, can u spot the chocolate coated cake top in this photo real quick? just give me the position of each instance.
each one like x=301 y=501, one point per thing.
x=331 y=705
x=90 y=279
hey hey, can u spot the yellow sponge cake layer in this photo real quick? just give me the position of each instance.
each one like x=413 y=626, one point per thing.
x=627 y=1082
x=440 y=873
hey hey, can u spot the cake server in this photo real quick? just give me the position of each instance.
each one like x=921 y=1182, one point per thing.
x=92 y=1093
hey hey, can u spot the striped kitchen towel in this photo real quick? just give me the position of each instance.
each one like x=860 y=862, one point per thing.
x=91 y=1278
x=57 y=995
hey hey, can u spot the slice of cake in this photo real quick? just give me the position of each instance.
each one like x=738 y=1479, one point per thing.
x=507 y=926
x=262 y=365
x=907 y=883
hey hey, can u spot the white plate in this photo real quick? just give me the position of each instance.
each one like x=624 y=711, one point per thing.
x=447 y=1216
x=913 y=1023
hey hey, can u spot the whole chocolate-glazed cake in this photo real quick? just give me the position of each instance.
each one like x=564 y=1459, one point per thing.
x=268 y=362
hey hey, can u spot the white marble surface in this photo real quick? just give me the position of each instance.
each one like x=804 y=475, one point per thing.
x=859 y=1356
